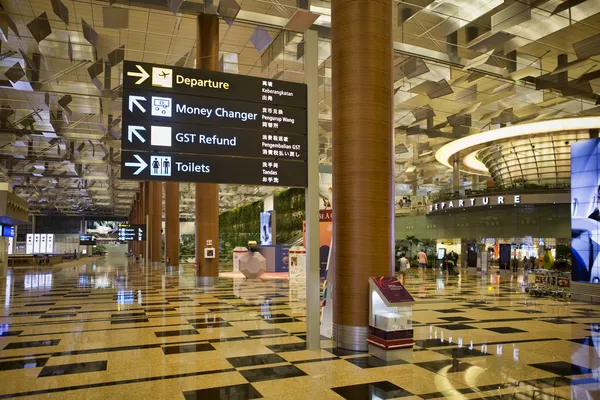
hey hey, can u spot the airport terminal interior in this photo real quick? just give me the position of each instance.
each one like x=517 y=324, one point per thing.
x=300 y=199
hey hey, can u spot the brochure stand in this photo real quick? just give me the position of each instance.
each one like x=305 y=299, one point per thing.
x=390 y=319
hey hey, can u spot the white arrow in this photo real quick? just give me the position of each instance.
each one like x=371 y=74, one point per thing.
x=143 y=75
x=133 y=130
x=141 y=164
x=135 y=100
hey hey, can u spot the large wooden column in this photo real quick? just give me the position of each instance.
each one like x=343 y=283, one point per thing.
x=207 y=194
x=172 y=224
x=155 y=189
x=363 y=178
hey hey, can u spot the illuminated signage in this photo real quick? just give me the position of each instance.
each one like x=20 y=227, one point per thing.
x=131 y=232
x=498 y=200
x=190 y=125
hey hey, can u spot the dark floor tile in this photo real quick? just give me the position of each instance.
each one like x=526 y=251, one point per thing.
x=21 y=364
x=265 y=332
x=35 y=343
x=205 y=320
x=226 y=297
x=461 y=352
x=26 y=313
x=504 y=329
x=312 y=360
x=373 y=362
x=429 y=343
x=559 y=321
x=181 y=332
x=236 y=392
x=368 y=391
x=188 y=348
x=155 y=303
x=222 y=309
x=69 y=308
x=10 y=333
x=272 y=373
x=456 y=319
x=65 y=315
x=272 y=316
x=39 y=304
x=78 y=368
x=259 y=359
x=281 y=320
x=561 y=368
x=129 y=321
x=529 y=311
x=457 y=327
x=343 y=352
x=128 y=314
x=153 y=310
x=592 y=341
x=454 y=365
x=221 y=324
x=452 y=392
x=281 y=348
x=178 y=299
x=493 y=309
x=449 y=311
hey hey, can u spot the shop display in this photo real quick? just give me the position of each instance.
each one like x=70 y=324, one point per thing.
x=297 y=257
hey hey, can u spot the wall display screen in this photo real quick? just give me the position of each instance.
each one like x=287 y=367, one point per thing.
x=8 y=231
x=441 y=253
x=104 y=229
x=585 y=210
x=266 y=229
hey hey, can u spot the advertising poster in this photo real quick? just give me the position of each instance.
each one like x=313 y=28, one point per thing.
x=585 y=211
x=266 y=228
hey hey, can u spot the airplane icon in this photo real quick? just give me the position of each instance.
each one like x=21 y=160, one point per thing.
x=162 y=77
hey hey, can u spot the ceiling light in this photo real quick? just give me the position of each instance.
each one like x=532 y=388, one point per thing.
x=444 y=154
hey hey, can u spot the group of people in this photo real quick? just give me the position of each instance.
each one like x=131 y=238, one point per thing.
x=450 y=261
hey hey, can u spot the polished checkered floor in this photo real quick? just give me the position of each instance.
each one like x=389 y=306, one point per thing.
x=108 y=330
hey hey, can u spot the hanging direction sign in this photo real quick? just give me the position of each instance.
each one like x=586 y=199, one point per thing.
x=212 y=169
x=211 y=111
x=131 y=232
x=169 y=79
x=200 y=139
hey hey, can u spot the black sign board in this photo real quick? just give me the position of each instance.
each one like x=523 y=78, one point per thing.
x=203 y=139
x=212 y=169
x=212 y=111
x=86 y=240
x=131 y=232
x=169 y=79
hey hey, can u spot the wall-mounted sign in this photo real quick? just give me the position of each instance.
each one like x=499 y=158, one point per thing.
x=497 y=200
x=87 y=240
x=204 y=139
x=193 y=122
x=213 y=169
x=131 y=232
x=165 y=78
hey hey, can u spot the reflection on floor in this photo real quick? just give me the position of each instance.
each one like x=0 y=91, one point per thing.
x=109 y=331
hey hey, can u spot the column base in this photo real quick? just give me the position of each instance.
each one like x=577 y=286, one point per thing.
x=156 y=264
x=351 y=337
x=207 y=280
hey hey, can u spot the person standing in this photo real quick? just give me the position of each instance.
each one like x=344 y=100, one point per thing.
x=404 y=263
x=422 y=259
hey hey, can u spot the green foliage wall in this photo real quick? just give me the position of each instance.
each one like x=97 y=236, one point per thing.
x=240 y=225
x=289 y=214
